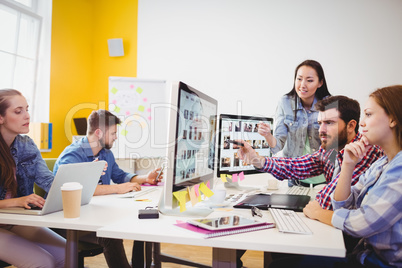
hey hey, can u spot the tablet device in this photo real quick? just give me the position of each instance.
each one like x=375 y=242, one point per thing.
x=282 y=201
x=224 y=223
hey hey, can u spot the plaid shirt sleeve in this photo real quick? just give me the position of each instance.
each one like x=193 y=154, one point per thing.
x=298 y=168
x=373 y=210
x=323 y=197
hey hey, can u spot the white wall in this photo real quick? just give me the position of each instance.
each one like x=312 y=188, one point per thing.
x=244 y=52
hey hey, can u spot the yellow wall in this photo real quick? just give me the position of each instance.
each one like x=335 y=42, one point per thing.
x=80 y=62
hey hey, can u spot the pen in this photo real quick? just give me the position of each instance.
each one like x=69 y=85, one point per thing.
x=256 y=212
x=235 y=142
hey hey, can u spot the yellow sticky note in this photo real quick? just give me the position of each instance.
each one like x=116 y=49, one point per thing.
x=193 y=196
x=141 y=108
x=206 y=190
x=114 y=90
x=139 y=90
x=181 y=197
x=123 y=132
x=224 y=209
x=223 y=178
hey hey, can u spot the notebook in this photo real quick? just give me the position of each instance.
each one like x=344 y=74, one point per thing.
x=283 y=201
x=87 y=174
x=210 y=234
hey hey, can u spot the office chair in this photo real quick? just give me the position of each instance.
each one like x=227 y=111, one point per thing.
x=4 y=264
x=85 y=249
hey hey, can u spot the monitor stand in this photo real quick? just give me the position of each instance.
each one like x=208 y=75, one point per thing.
x=199 y=210
x=236 y=185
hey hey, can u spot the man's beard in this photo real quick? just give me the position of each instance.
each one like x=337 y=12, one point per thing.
x=337 y=143
x=104 y=145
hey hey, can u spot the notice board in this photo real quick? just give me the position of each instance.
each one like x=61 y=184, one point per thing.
x=143 y=108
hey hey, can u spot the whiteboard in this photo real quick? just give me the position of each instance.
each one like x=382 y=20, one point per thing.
x=143 y=107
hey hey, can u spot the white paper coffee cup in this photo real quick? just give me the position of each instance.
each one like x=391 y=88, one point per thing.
x=71 y=196
x=218 y=197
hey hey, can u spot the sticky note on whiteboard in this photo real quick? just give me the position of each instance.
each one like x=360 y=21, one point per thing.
x=124 y=132
x=114 y=90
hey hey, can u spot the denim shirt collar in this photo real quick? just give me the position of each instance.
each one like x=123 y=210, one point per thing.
x=300 y=106
x=87 y=148
x=14 y=148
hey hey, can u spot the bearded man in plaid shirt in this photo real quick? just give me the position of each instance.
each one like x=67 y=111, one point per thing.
x=338 y=118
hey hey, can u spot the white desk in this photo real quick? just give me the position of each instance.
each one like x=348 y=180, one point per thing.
x=101 y=211
x=325 y=241
x=118 y=218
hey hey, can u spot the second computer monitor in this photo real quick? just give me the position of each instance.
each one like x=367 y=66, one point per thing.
x=234 y=127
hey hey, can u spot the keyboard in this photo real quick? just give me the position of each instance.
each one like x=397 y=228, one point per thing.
x=134 y=194
x=298 y=190
x=288 y=221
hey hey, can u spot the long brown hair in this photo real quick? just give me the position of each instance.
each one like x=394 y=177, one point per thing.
x=390 y=99
x=7 y=164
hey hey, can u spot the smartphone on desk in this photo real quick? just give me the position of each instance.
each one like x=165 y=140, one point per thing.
x=160 y=172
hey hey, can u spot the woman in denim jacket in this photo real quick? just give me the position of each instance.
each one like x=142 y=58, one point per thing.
x=296 y=131
x=21 y=165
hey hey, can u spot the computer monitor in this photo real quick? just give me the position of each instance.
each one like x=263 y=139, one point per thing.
x=233 y=127
x=191 y=150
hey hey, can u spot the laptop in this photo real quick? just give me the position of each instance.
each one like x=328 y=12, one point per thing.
x=87 y=174
x=282 y=201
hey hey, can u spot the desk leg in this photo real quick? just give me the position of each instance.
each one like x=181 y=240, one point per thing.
x=72 y=249
x=267 y=259
x=223 y=258
x=157 y=255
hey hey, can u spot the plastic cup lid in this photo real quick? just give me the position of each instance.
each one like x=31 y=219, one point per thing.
x=70 y=186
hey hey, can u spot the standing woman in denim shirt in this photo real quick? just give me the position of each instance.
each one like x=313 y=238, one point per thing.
x=21 y=165
x=296 y=131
